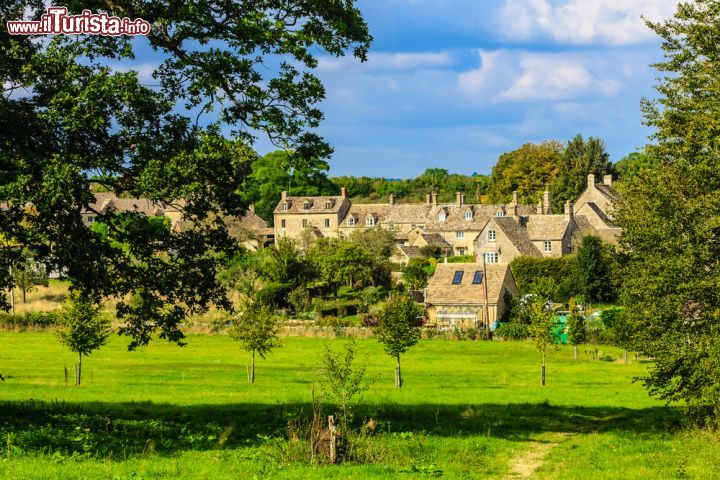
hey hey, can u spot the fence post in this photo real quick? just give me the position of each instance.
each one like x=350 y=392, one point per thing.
x=333 y=439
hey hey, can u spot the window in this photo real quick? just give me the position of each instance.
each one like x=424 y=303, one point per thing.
x=477 y=278
x=547 y=246
x=500 y=213
x=442 y=216
x=329 y=205
x=307 y=205
x=492 y=236
x=282 y=224
x=462 y=251
x=492 y=257
x=91 y=219
x=459 y=234
x=327 y=223
x=305 y=223
x=350 y=222
x=285 y=207
x=457 y=278
x=370 y=221
x=468 y=215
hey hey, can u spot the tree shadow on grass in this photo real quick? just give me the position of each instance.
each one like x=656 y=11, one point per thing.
x=118 y=430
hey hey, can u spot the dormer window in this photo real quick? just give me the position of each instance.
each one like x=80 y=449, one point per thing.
x=370 y=221
x=468 y=215
x=307 y=205
x=500 y=213
x=284 y=207
x=491 y=236
x=350 y=221
x=329 y=204
x=442 y=216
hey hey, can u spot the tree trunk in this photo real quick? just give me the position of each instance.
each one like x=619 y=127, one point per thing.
x=79 y=370
x=575 y=353
x=24 y=294
x=398 y=375
x=252 y=368
x=12 y=298
x=625 y=355
x=542 y=371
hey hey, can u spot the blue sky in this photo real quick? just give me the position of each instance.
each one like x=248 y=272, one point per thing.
x=455 y=83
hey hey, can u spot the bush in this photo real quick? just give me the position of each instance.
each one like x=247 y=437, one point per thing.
x=554 y=276
x=29 y=320
x=461 y=259
x=273 y=294
x=512 y=331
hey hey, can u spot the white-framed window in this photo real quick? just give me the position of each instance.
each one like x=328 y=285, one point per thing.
x=282 y=223
x=468 y=215
x=350 y=221
x=284 y=207
x=547 y=246
x=442 y=216
x=492 y=236
x=492 y=257
x=370 y=222
x=460 y=234
x=500 y=213
x=327 y=223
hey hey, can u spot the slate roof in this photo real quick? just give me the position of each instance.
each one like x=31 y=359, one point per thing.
x=319 y=204
x=517 y=236
x=441 y=291
x=435 y=239
x=105 y=201
x=547 y=227
x=409 y=252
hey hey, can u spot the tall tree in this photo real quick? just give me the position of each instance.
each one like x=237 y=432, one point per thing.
x=398 y=329
x=526 y=170
x=591 y=271
x=671 y=218
x=256 y=329
x=163 y=142
x=580 y=158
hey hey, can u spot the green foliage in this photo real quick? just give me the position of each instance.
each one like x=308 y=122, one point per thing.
x=552 y=278
x=575 y=326
x=542 y=326
x=398 y=329
x=83 y=328
x=634 y=164
x=338 y=262
x=378 y=242
x=256 y=329
x=526 y=170
x=299 y=299
x=512 y=331
x=431 y=251
x=29 y=274
x=580 y=158
x=28 y=320
x=415 y=274
x=164 y=142
x=592 y=272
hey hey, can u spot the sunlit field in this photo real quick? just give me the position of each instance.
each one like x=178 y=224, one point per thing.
x=467 y=410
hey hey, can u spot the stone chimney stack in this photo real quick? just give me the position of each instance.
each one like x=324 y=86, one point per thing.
x=427 y=199
x=343 y=192
x=546 y=201
x=283 y=195
x=569 y=210
x=392 y=199
x=515 y=197
x=607 y=179
x=591 y=180
x=460 y=198
x=435 y=199
x=541 y=208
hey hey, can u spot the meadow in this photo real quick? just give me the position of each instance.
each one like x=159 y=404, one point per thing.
x=467 y=410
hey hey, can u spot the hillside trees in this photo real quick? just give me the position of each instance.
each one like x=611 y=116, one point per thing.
x=671 y=218
x=164 y=143
x=528 y=170
x=580 y=158
x=592 y=271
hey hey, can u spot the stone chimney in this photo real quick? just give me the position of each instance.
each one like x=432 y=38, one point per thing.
x=514 y=204
x=546 y=201
x=435 y=199
x=607 y=179
x=541 y=208
x=343 y=192
x=591 y=180
x=460 y=198
x=392 y=199
x=427 y=199
x=252 y=207
x=515 y=197
x=283 y=195
x=569 y=210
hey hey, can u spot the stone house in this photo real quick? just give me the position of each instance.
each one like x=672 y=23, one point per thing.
x=323 y=214
x=456 y=294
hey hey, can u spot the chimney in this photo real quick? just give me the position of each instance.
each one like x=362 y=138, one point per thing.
x=283 y=196
x=541 y=208
x=459 y=198
x=546 y=201
x=343 y=192
x=591 y=180
x=427 y=199
x=569 y=210
x=435 y=199
x=251 y=208
x=515 y=197
x=607 y=179
x=392 y=199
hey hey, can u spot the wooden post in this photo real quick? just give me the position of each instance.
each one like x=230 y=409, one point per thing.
x=333 y=439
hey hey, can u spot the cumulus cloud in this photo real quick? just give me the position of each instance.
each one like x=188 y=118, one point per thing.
x=512 y=76
x=608 y=22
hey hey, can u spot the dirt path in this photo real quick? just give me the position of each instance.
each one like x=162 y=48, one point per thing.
x=526 y=462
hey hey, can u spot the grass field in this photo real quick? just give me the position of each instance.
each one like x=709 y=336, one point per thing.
x=467 y=410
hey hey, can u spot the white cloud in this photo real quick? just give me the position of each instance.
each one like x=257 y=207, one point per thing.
x=512 y=76
x=389 y=61
x=609 y=22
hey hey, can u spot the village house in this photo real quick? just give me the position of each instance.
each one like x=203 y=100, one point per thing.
x=460 y=294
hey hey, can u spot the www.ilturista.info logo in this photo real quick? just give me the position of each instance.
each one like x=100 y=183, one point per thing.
x=56 y=21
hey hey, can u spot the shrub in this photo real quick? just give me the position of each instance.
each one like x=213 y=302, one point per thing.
x=273 y=294
x=29 y=320
x=512 y=331
x=555 y=276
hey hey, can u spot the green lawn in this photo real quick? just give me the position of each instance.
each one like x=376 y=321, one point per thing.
x=467 y=410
